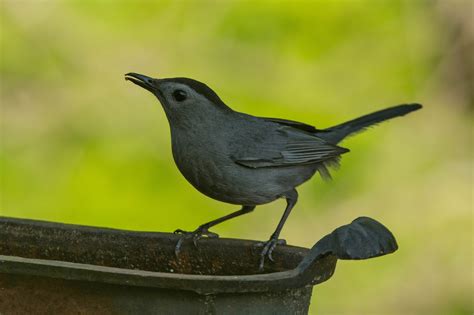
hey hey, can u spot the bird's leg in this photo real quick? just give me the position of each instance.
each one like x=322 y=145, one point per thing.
x=269 y=246
x=203 y=230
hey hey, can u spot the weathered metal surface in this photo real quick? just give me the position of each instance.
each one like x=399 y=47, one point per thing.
x=22 y=294
x=58 y=268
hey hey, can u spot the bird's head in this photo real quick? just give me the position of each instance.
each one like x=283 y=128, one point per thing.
x=183 y=99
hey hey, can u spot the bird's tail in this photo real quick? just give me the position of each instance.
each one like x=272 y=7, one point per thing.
x=337 y=133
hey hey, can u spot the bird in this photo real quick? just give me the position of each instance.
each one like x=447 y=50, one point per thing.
x=246 y=160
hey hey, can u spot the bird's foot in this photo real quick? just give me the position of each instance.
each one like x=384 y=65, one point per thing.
x=268 y=248
x=194 y=235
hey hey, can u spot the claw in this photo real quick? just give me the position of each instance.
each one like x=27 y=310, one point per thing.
x=267 y=250
x=195 y=235
x=177 y=249
x=270 y=257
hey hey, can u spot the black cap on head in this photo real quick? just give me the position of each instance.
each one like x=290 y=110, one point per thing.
x=200 y=88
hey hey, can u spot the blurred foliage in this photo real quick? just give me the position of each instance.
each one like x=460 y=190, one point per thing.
x=81 y=145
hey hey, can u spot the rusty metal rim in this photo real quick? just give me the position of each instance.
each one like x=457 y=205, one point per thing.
x=298 y=277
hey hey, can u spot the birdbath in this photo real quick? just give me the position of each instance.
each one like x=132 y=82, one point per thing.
x=53 y=268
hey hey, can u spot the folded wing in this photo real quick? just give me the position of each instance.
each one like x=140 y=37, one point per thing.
x=288 y=146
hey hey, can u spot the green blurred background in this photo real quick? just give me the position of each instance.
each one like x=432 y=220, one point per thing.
x=81 y=145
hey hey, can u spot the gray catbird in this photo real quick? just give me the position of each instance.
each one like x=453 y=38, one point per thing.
x=246 y=160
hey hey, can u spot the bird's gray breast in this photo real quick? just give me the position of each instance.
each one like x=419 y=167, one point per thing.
x=203 y=161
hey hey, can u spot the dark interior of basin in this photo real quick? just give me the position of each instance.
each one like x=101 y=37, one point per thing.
x=138 y=250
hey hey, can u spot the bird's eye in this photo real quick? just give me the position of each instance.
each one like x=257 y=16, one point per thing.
x=180 y=95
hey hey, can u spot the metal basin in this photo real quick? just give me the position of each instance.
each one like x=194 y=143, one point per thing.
x=52 y=268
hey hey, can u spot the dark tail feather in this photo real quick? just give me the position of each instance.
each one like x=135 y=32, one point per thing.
x=337 y=133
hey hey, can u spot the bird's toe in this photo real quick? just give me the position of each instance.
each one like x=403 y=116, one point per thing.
x=267 y=250
x=194 y=235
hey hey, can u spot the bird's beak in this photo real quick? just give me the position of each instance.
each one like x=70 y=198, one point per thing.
x=143 y=81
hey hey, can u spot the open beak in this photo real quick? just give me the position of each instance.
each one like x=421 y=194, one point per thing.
x=143 y=81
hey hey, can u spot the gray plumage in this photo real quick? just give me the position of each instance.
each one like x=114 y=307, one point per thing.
x=242 y=159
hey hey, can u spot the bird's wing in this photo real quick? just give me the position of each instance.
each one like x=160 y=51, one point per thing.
x=292 y=123
x=286 y=146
